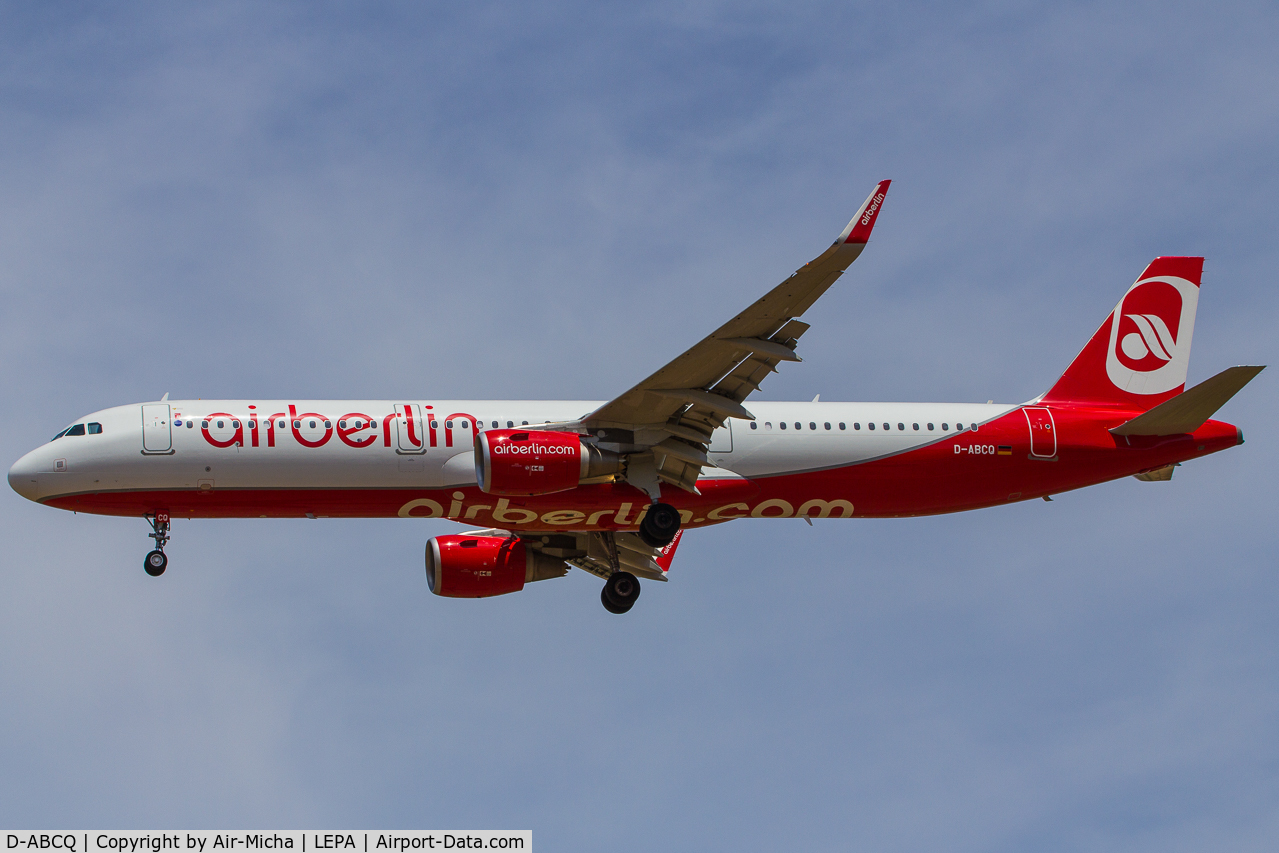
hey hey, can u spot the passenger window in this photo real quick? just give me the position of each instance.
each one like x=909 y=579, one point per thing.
x=297 y=425
x=828 y=425
x=768 y=424
x=494 y=424
x=754 y=425
x=870 y=426
x=281 y=426
x=812 y=425
x=95 y=429
x=523 y=423
x=78 y=429
x=887 y=426
x=930 y=427
x=782 y=424
x=959 y=426
x=449 y=424
x=221 y=424
x=467 y=424
x=945 y=427
x=190 y=423
x=916 y=426
x=797 y=425
x=341 y=424
x=235 y=424
x=901 y=426
x=510 y=424
x=855 y=426
x=205 y=424
x=435 y=424
x=312 y=424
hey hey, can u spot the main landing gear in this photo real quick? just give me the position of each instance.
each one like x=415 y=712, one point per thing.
x=660 y=525
x=657 y=529
x=155 y=561
x=620 y=592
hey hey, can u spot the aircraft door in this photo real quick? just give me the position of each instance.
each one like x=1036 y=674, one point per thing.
x=1043 y=437
x=156 y=435
x=410 y=429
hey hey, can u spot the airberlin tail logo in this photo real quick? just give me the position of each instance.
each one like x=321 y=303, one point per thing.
x=1152 y=338
x=1150 y=334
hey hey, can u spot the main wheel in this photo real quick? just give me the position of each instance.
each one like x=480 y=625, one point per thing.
x=620 y=592
x=659 y=526
x=610 y=606
x=155 y=563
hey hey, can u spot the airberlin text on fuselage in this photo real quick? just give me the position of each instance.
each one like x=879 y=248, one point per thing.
x=313 y=429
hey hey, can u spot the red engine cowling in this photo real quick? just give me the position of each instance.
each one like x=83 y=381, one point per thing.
x=481 y=566
x=537 y=462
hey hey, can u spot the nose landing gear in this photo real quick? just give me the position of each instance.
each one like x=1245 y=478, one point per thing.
x=155 y=561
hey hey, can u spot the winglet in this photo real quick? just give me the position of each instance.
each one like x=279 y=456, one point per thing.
x=858 y=231
x=668 y=553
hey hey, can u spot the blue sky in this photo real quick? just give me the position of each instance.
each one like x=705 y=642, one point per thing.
x=340 y=200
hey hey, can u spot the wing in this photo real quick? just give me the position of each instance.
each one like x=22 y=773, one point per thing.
x=670 y=415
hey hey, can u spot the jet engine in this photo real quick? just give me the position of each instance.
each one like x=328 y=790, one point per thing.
x=538 y=462
x=481 y=566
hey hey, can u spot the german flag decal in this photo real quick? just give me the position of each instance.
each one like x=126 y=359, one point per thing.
x=1005 y=450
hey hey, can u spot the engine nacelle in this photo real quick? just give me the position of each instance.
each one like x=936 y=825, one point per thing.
x=538 y=462
x=480 y=566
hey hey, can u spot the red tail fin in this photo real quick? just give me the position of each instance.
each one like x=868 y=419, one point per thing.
x=1138 y=358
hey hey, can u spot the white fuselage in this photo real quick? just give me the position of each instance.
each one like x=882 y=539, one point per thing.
x=237 y=444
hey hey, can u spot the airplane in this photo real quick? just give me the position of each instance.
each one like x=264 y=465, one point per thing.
x=610 y=487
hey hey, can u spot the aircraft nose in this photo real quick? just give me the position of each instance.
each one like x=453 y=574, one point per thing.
x=23 y=478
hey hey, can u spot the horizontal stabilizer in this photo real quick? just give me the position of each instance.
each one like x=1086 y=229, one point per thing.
x=1188 y=411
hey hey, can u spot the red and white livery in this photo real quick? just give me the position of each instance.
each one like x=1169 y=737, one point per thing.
x=609 y=487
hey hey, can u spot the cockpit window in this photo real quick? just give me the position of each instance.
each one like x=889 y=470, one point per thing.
x=78 y=429
x=95 y=428
x=59 y=435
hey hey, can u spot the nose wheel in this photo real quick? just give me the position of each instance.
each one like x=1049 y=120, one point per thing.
x=155 y=561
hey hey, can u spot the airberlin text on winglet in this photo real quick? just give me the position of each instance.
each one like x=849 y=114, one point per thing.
x=860 y=227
